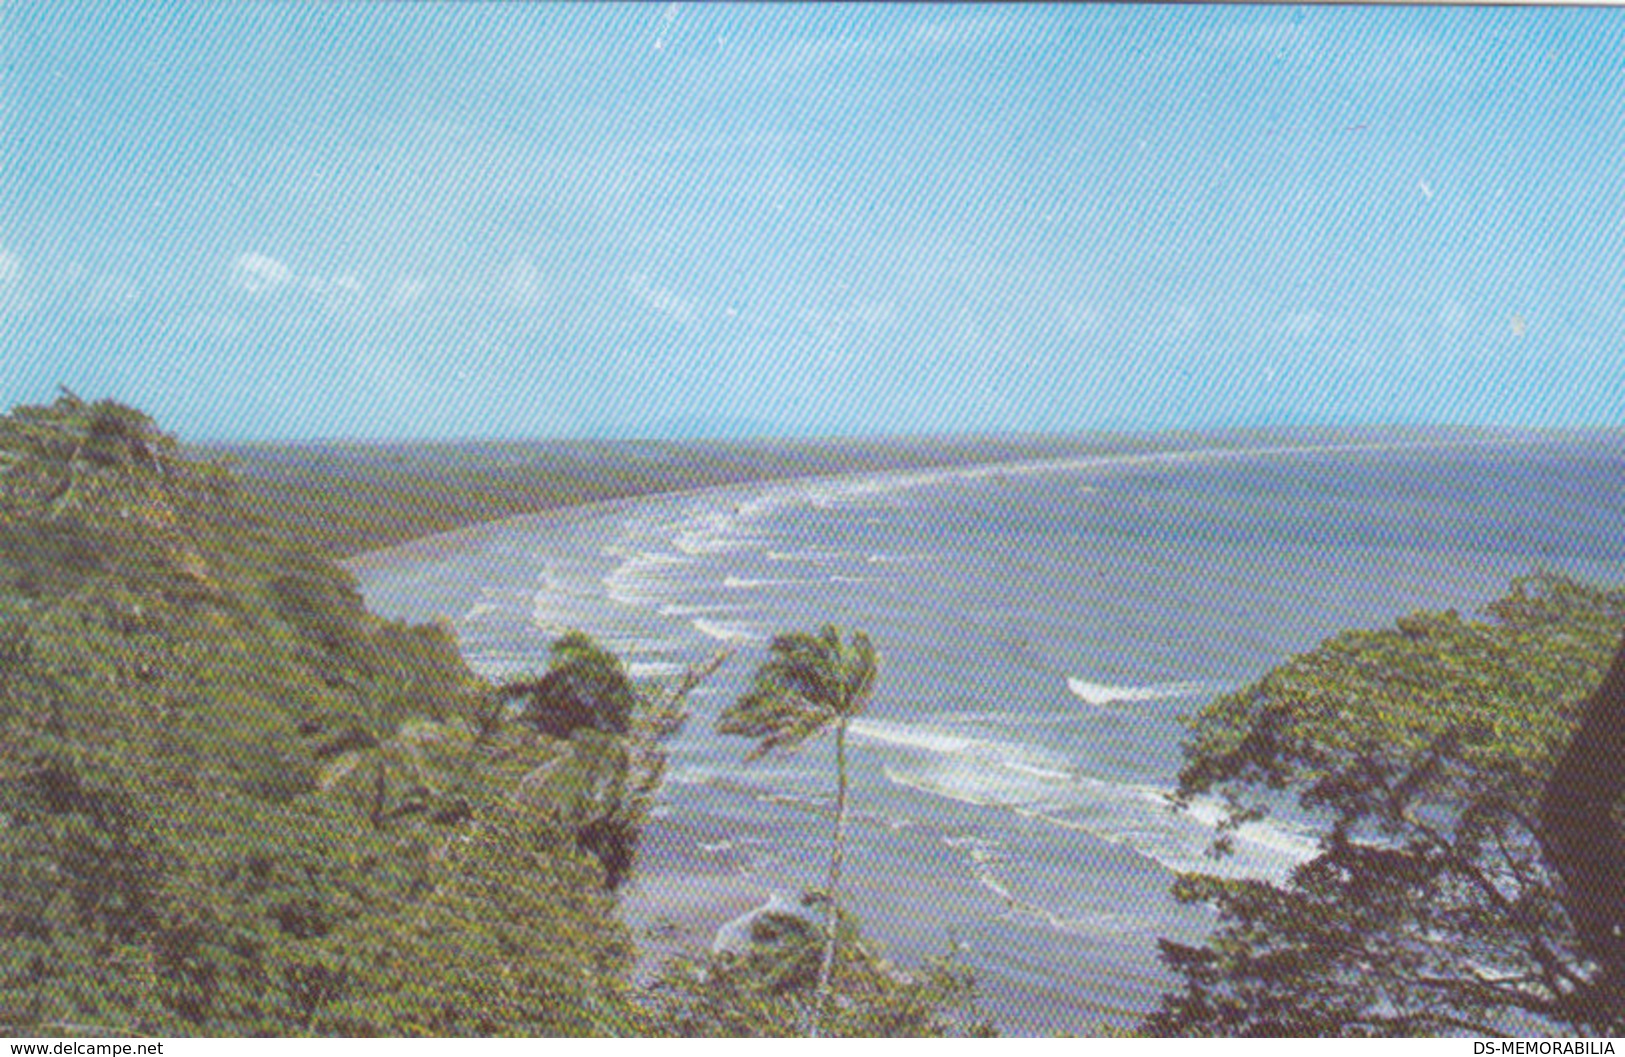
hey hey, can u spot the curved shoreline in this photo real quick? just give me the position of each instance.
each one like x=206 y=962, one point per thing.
x=453 y=541
x=679 y=906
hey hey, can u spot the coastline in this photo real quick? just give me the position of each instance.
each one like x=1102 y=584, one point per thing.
x=453 y=541
x=683 y=892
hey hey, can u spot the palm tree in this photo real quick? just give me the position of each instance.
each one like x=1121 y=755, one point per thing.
x=810 y=684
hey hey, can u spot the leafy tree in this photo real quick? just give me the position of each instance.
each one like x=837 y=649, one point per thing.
x=810 y=684
x=603 y=781
x=585 y=687
x=1433 y=905
x=233 y=802
x=507 y=938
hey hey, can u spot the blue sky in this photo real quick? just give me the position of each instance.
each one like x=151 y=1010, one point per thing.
x=284 y=220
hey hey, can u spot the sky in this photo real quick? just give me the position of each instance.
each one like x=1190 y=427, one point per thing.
x=392 y=220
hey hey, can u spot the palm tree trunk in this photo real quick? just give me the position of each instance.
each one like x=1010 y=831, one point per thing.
x=831 y=890
x=377 y=812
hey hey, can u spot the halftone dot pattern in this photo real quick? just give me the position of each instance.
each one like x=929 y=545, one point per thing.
x=447 y=221
x=1105 y=365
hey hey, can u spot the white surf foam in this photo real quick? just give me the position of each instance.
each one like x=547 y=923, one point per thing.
x=679 y=773
x=949 y=743
x=697 y=611
x=980 y=850
x=1182 y=844
x=835 y=491
x=991 y=868
x=1106 y=694
x=810 y=557
x=734 y=935
x=1042 y=785
x=654 y=669
x=734 y=631
x=1045 y=773
x=896 y=559
x=647 y=578
x=1135 y=817
x=975 y=770
x=1288 y=842
x=745 y=583
x=1018 y=906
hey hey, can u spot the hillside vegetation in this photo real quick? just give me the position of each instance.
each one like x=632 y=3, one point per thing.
x=1439 y=902
x=234 y=802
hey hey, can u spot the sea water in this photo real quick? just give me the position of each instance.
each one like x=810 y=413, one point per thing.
x=1042 y=629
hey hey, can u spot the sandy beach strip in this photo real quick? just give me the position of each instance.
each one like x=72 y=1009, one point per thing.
x=675 y=913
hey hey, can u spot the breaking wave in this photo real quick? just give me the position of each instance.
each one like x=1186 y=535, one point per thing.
x=732 y=631
x=1039 y=784
x=1105 y=694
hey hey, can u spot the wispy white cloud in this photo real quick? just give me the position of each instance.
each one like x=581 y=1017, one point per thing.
x=1299 y=324
x=406 y=291
x=522 y=283
x=260 y=275
x=255 y=273
x=659 y=298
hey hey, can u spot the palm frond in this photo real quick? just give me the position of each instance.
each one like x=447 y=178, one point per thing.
x=809 y=682
x=777 y=717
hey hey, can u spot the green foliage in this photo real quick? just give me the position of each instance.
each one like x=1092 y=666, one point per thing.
x=810 y=684
x=771 y=990
x=586 y=687
x=1431 y=907
x=233 y=802
x=346 y=499
x=601 y=784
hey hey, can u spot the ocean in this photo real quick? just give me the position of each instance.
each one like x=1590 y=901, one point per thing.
x=1042 y=628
